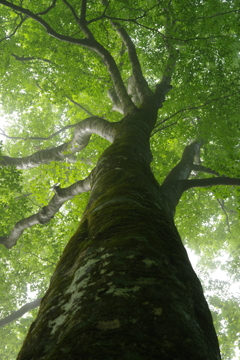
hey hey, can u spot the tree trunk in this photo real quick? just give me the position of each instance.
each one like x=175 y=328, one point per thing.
x=124 y=287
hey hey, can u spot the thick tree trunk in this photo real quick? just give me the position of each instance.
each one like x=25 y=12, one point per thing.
x=124 y=287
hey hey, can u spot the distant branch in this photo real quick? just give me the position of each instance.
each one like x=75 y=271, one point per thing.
x=39 y=257
x=29 y=58
x=204 y=169
x=79 y=105
x=20 y=312
x=196 y=107
x=15 y=30
x=164 y=127
x=72 y=11
x=188 y=184
x=38 y=137
x=219 y=14
x=44 y=12
x=221 y=203
x=47 y=212
x=82 y=133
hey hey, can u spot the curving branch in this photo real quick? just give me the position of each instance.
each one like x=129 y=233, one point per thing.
x=20 y=312
x=82 y=133
x=47 y=212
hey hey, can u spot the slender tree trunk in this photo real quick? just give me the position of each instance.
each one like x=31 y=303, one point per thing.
x=124 y=287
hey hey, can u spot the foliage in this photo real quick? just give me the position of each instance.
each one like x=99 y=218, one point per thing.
x=49 y=84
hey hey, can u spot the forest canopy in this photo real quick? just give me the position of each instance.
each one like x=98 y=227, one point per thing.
x=56 y=85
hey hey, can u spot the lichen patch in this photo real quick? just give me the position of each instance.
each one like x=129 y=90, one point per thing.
x=108 y=325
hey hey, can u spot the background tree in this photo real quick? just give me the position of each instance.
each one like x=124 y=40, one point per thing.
x=51 y=81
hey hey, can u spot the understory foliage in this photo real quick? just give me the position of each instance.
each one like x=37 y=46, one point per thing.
x=50 y=82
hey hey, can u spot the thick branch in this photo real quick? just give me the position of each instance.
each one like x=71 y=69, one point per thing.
x=173 y=190
x=183 y=169
x=143 y=91
x=173 y=184
x=47 y=212
x=82 y=133
x=20 y=312
x=165 y=84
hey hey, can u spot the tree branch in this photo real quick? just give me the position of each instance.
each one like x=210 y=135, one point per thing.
x=91 y=43
x=205 y=169
x=188 y=184
x=82 y=133
x=218 y=14
x=79 y=105
x=20 y=312
x=195 y=107
x=221 y=203
x=165 y=84
x=72 y=11
x=47 y=212
x=50 y=31
x=143 y=91
x=183 y=169
x=29 y=58
x=38 y=137
x=119 y=87
x=15 y=30
x=44 y=12
x=173 y=184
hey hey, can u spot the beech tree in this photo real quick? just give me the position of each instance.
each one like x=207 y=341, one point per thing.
x=156 y=80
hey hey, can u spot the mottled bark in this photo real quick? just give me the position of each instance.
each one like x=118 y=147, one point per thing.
x=46 y=213
x=124 y=287
x=81 y=136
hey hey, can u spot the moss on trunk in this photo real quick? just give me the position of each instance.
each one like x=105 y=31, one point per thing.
x=124 y=287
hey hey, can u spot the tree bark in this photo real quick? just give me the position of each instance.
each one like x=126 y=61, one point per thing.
x=124 y=287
